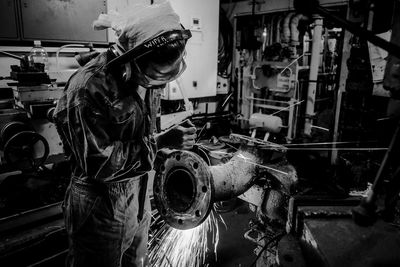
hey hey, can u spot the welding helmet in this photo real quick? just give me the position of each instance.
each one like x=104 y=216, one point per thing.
x=139 y=64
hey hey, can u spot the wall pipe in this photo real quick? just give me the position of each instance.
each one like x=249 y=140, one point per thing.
x=278 y=29
x=314 y=68
x=271 y=30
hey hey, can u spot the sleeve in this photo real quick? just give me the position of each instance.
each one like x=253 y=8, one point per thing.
x=95 y=149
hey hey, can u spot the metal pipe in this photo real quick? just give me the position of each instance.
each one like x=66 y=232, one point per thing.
x=234 y=177
x=286 y=28
x=278 y=30
x=341 y=89
x=185 y=187
x=314 y=67
x=270 y=30
x=274 y=20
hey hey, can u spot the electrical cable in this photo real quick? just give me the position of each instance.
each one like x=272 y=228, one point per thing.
x=274 y=238
x=66 y=46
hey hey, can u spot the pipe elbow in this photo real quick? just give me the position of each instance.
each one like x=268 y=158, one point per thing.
x=234 y=177
x=294 y=31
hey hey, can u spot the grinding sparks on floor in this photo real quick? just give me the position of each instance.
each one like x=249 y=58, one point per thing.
x=171 y=247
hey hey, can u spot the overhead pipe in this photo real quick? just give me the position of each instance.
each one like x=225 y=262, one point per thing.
x=271 y=31
x=185 y=187
x=273 y=27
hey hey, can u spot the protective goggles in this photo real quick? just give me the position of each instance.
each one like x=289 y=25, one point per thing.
x=153 y=74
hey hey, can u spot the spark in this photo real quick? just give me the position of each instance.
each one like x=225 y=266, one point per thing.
x=320 y=128
x=287 y=147
x=170 y=247
x=246 y=159
x=328 y=143
x=199 y=135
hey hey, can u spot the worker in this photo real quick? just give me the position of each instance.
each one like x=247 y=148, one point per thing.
x=105 y=118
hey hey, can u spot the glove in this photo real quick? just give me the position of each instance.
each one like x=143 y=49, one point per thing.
x=182 y=136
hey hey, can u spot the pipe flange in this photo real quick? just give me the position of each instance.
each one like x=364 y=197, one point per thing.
x=183 y=190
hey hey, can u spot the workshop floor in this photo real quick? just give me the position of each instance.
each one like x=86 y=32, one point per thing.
x=233 y=249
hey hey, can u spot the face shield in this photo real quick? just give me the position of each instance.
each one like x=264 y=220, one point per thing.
x=147 y=73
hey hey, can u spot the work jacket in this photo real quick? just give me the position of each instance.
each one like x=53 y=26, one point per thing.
x=106 y=127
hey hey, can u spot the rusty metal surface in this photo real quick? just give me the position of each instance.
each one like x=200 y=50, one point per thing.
x=236 y=176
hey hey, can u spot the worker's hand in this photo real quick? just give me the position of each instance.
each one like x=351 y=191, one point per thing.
x=182 y=136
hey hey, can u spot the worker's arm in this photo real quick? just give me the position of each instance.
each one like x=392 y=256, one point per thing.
x=97 y=149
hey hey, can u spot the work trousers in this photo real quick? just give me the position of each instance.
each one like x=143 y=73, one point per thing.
x=103 y=226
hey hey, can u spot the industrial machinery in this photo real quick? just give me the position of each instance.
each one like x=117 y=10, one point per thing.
x=186 y=187
x=293 y=227
x=32 y=176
